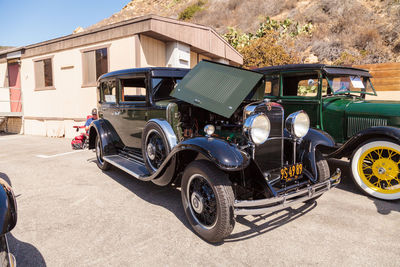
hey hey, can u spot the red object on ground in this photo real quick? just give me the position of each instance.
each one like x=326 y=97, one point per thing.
x=79 y=141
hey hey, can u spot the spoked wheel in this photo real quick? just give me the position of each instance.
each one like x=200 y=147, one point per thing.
x=103 y=165
x=207 y=199
x=155 y=148
x=203 y=203
x=376 y=167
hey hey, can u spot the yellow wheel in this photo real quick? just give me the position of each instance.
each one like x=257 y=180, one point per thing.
x=376 y=167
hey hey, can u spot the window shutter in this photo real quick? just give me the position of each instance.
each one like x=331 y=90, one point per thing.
x=89 y=67
x=39 y=74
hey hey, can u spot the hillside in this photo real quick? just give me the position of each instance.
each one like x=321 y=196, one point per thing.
x=343 y=31
x=5 y=47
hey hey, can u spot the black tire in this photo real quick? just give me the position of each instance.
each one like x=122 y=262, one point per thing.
x=323 y=172
x=103 y=165
x=161 y=147
x=210 y=213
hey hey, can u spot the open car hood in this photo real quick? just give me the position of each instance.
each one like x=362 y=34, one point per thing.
x=216 y=87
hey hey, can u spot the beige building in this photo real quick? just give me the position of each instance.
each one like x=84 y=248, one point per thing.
x=48 y=87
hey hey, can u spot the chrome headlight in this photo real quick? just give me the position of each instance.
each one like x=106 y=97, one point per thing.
x=209 y=129
x=298 y=123
x=257 y=128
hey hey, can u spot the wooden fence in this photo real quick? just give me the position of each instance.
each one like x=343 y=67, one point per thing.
x=386 y=76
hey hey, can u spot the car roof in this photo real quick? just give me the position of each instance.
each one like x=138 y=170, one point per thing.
x=179 y=72
x=327 y=68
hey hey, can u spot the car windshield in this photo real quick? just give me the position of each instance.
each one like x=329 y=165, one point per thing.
x=350 y=84
x=163 y=86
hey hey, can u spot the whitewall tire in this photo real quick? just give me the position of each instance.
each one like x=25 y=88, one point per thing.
x=375 y=167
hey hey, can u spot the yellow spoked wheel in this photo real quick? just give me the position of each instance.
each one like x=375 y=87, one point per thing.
x=376 y=168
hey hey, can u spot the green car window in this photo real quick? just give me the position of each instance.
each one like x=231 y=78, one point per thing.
x=300 y=84
x=350 y=84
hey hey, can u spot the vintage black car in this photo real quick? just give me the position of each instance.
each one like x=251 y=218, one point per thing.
x=210 y=132
x=8 y=220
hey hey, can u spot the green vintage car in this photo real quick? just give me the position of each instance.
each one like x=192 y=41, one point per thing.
x=365 y=131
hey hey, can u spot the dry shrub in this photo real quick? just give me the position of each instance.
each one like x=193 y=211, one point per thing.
x=396 y=48
x=233 y=4
x=189 y=12
x=246 y=14
x=266 y=51
x=346 y=58
x=366 y=37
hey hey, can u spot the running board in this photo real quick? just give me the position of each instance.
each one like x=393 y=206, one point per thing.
x=134 y=168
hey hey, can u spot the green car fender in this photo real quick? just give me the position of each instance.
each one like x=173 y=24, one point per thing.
x=378 y=132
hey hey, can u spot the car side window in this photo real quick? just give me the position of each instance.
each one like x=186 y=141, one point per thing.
x=162 y=87
x=272 y=85
x=300 y=84
x=133 y=90
x=109 y=92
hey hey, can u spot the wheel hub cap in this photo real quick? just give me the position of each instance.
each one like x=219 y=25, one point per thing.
x=151 y=151
x=385 y=169
x=197 y=202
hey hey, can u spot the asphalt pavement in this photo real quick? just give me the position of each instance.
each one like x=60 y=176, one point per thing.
x=70 y=213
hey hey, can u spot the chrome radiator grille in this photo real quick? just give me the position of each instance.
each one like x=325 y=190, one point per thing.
x=270 y=154
x=356 y=124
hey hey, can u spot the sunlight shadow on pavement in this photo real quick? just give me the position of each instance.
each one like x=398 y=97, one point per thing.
x=25 y=253
x=382 y=206
x=259 y=225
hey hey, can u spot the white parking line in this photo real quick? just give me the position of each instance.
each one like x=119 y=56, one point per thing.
x=57 y=155
x=5 y=138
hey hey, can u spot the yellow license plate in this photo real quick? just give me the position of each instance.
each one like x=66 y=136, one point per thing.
x=292 y=172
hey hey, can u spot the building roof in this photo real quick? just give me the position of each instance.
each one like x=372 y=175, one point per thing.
x=202 y=39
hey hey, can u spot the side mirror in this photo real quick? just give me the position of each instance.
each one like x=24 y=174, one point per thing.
x=8 y=208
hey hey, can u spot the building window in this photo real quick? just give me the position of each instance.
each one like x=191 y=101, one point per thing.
x=43 y=74
x=94 y=64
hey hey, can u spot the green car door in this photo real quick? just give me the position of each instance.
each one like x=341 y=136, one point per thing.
x=302 y=91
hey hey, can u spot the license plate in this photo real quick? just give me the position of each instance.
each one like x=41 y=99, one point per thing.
x=292 y=172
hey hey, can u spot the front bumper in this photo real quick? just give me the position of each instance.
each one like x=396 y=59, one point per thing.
x=262 y=206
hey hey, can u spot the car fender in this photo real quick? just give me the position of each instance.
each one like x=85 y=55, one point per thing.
x=8 y=208
x=109 y=137
x=308 y=145
x=386 y=132
x=225 y=155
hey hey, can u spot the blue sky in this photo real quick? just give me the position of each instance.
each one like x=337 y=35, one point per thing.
x=24 y=22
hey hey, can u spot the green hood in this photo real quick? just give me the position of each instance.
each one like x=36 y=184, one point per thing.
x=389 y=111
x=216 y=87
